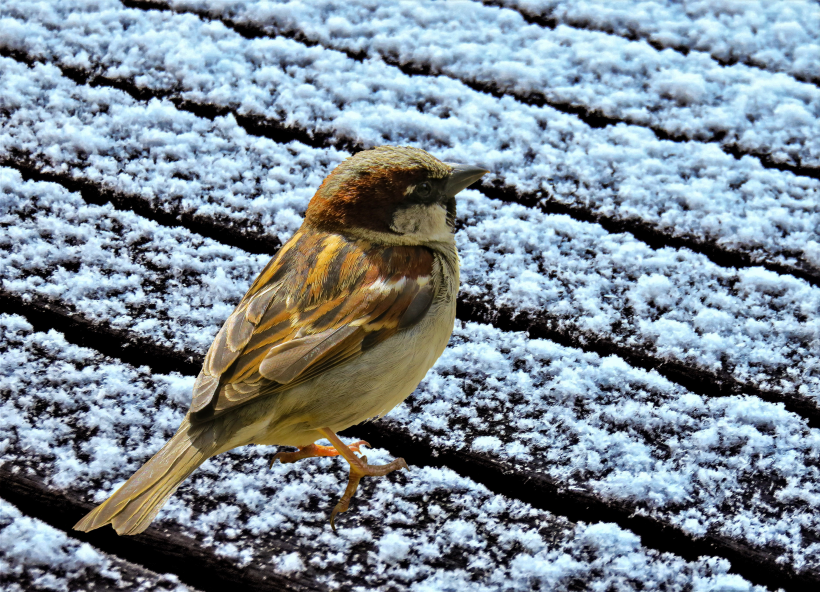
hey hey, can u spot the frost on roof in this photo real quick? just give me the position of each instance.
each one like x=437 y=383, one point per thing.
x=114 y=266
x=735 y=470
x=83 y=422
x=779 y=35
x=175 y=161
x=690 y=96
x=35 y=557
x=760 y=327
x=733 y=467
x=595 y=425
x=684 y=189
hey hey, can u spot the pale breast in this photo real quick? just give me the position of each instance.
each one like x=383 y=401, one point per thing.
x=375 y=382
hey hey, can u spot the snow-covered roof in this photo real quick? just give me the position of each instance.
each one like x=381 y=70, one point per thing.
x=630 y=397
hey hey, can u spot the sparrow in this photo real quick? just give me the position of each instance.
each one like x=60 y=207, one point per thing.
x=339 y=327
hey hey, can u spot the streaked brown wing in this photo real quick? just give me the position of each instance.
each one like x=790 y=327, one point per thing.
x=320 y=302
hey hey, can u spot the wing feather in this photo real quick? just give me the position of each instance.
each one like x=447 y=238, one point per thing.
x=220 y=356
x=204 y=389
x=239 y=331
x=321 y=301
x=288 y=360
x=259 y=304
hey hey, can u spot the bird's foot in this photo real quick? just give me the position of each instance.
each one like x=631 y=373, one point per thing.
x=357 y=471
x=312 y=451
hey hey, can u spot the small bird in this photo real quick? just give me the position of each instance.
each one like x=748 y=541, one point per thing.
x=339 y=327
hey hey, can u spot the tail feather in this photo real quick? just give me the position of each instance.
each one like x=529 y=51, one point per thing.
x=134 y=505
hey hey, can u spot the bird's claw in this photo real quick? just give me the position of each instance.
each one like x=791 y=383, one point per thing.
x=355 y=446
x=356 y=474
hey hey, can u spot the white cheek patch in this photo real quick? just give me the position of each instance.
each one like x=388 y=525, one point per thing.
x=407 y=220
x=425 y=222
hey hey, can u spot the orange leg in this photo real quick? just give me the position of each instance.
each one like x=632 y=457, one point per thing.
x=358 y=469
x=314 y=450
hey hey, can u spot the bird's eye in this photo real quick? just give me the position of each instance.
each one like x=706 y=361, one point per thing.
x=424 y=189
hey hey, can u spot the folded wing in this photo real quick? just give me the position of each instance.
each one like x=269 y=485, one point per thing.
x=320 y=302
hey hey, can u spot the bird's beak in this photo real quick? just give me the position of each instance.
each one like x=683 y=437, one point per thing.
x=461 y=177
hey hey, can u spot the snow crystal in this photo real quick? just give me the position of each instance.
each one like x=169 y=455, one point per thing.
x=685 y=189
x=35 y=556
x=450 y=516
x=290 y=563
x=486 y=443
x=753 y=307
x=779 y=35
x=628 y=80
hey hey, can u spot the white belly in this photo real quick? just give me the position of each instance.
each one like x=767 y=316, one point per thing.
x=368 y=386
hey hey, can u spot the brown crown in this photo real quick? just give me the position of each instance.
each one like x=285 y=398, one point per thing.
x=365 y=189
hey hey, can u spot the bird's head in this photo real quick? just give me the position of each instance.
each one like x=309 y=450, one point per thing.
x=396 y=195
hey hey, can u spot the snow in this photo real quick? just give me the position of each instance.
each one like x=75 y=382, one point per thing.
x=115 y=266
x=759 y=326
x=35 y=556
x=778 y=35
x=174 y=287
x=597 y=425
x=429 y=529
x=719 y=465
x=607 y=74
x=624 y=172
x=170 y=286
